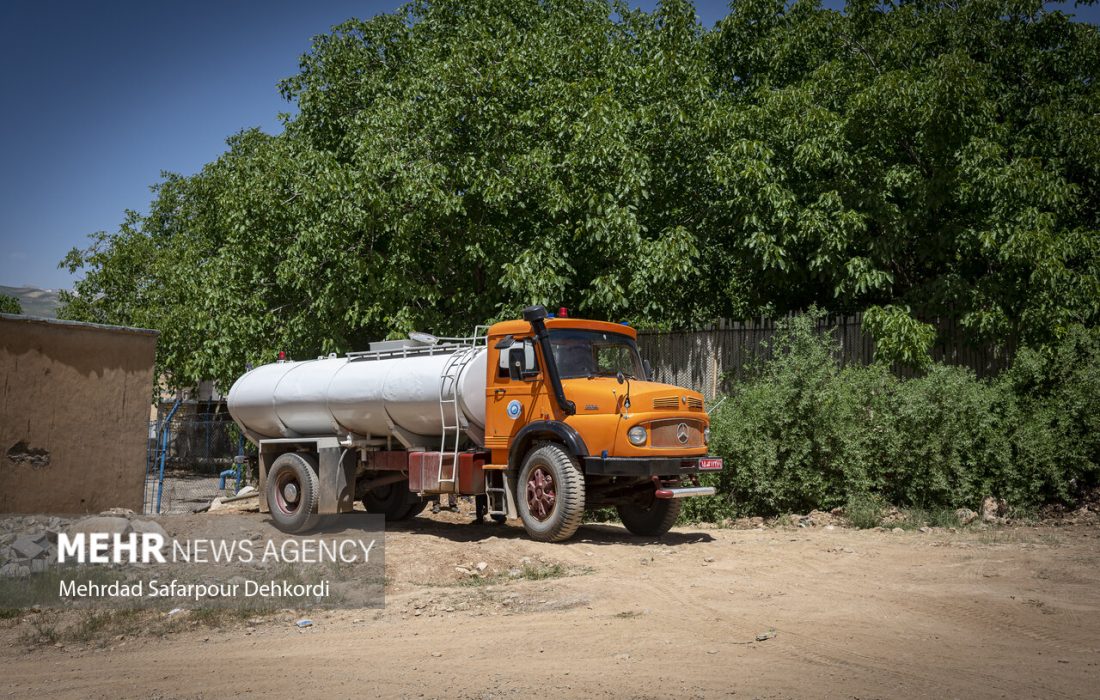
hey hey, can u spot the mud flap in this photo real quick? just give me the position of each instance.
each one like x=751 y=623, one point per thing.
x=337 y=480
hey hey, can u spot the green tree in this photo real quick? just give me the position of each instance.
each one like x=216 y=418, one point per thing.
x=935 y=158
x=10 y=305
x=455 y=160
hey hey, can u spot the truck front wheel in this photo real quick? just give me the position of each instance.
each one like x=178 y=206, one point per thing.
x=651 y=520
x=292 y=492
x=550 y=493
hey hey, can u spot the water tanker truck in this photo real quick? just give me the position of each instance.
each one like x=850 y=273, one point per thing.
x=540 y=419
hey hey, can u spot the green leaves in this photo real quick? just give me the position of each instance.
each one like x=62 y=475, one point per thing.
x=899 y=338
x=806 y=433
x=457 y=160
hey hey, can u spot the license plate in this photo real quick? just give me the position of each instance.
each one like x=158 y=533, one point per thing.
x=710 y=464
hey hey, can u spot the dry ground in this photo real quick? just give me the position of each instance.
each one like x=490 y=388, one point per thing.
x=999 y=613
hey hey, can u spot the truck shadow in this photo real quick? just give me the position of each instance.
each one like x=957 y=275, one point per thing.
x=466 y=531
x=589 y=533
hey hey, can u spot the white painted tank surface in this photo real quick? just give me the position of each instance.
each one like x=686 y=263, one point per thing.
x=361 y=395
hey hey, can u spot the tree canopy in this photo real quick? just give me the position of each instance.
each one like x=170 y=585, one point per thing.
x=10 y=305
x=456 y=160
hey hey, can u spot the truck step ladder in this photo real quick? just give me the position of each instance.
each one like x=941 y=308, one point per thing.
x=495 y=493
x=451 y=419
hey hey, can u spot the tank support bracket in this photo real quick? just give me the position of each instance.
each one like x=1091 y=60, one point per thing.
x=410 y=441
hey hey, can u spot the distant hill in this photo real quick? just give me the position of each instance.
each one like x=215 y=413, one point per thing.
x=35 y=301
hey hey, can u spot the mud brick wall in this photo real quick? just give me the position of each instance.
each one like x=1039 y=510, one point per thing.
x=74 y=412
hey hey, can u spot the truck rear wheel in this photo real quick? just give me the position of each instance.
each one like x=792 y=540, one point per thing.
x=393 y=501
x=550 y=493
x=415 y=509
x=653 y=520
x=292 y=492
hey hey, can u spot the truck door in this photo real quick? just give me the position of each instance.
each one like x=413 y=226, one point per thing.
x=511 y=399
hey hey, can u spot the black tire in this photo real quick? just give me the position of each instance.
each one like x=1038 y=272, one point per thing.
x=392 y=501
x=653 y=520
x=415 y=509
x=292 y=492
x=553 y=511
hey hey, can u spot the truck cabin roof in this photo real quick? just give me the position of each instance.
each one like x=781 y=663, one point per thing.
x=520 y=327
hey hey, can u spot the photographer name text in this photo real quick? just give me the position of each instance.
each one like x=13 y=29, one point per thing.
x=175 y=589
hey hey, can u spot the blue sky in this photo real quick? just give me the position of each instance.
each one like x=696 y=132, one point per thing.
x=99 y=98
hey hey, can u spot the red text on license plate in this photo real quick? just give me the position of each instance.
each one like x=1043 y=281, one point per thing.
x=709 y=464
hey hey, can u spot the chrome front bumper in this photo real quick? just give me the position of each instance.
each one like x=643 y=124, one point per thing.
x=685 y=492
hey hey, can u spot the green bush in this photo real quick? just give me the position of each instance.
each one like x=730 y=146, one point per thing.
x=951 y=445
x=10 y=305
x=864 y=510
x=804 y=433
x=1055 y=427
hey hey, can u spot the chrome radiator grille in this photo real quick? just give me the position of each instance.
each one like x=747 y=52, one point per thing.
x=675 y=434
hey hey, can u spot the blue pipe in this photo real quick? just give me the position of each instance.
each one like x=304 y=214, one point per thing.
x=237 y=470
x=150 y=464
x=227 y=473
x=164 y=433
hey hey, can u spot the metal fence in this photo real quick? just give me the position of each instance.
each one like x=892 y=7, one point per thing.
x=190 y=458
x=711 y=360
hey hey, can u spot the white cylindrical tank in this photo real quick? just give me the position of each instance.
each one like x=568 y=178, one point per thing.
x=361 y=395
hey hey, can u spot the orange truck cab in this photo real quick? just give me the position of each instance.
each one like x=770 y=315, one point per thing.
x=574 y=423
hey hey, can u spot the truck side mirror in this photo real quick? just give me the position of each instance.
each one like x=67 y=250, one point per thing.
x=515 y=363
x=648 y=370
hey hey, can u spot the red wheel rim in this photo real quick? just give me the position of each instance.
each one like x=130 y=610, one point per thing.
x=288 y=492
x=540 y=493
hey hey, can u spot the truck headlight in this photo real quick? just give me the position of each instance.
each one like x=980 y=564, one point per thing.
x=706 y=436
x=636 y=435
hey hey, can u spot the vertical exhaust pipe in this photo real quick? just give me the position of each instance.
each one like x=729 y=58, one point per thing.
x=536 y=315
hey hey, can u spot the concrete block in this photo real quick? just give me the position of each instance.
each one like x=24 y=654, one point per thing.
x=142 y=526
x=101 y=523
x=26 y=547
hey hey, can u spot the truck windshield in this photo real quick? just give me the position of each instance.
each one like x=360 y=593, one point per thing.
x=580 y=353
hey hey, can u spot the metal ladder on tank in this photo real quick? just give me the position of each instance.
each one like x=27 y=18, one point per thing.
x=448 y=404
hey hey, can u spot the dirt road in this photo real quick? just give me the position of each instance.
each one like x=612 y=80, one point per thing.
x=1000 y=613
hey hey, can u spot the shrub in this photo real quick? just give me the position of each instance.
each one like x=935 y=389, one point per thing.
x=864 y=510
x=951 y=445
x=1055 y=428
x=802 y=433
